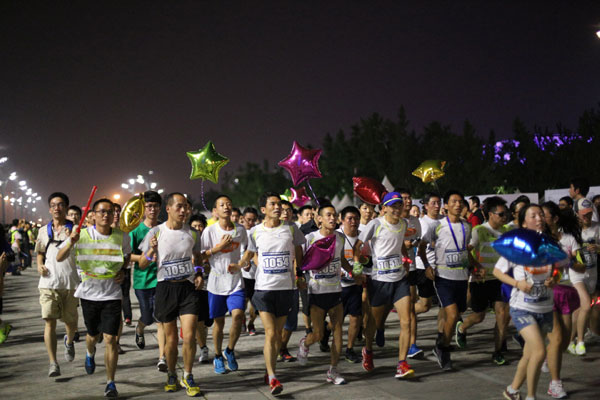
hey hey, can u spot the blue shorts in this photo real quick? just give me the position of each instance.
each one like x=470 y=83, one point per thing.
x=451 y=292
x=219 y=305
x=291 y=323
x=522 y=319
x=146 y=301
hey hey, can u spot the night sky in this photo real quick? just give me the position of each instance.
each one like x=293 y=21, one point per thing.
x=98 y=92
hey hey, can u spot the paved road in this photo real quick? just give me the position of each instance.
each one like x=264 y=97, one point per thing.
x=24 y=365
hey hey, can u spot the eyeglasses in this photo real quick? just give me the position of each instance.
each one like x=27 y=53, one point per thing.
x=500 y=214
x=102 y=212
x=57 y=205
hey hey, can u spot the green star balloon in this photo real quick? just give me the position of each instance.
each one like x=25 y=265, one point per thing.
x=206 y=163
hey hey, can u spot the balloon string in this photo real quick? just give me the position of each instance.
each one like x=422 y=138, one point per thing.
x=437 y=188
x=313 y=193
x=202 y=194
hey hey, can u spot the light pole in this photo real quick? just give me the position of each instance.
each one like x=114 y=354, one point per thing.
x=140 y=180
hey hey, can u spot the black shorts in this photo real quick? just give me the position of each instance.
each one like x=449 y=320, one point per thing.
x=387 y=293
x=485 y=294
x=305 y=305
x=325 y=301
x=249 y=287
x=204 y=314
x=451 y=292
x=352 y=300
x=174 y=299
x=278 y=302
x=101 y=316
x=424 y=285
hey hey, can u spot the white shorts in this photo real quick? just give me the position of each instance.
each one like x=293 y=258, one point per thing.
x=588 y=278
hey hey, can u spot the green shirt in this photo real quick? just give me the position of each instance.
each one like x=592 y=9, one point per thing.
x=142 y=278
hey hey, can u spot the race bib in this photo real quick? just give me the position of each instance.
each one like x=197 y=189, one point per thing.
x=389 y=264
x=457 y=259
x=177 y=269
x=589 y=258
x=538 y=293
x=276 y=262
x=330 y=271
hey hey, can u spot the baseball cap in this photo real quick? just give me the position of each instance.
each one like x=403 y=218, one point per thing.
x=391 y=198
x=584 y=206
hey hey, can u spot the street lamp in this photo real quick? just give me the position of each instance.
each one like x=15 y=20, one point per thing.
x=116 y=196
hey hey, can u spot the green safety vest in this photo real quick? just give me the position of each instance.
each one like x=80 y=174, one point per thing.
x=485 y=253
x=100 y=259
x=12 y=236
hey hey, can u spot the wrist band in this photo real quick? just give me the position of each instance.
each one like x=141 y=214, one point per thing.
x=406 y=260
x=199 y=269
x=147 y=258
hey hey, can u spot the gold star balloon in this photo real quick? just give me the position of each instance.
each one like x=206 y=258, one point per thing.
x=430 y=170
x=206 y=163
x=132 y=214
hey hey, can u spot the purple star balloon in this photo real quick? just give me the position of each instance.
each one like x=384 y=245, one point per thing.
x=319 y=254
x=299 y=197
x=302 y=163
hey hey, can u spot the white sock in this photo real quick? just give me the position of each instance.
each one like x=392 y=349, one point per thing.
x=271 y=377
x=510 y=389
x=529 y=398
x=578 y=343
x=185 y=374
x=109 y=381
x=90 y=354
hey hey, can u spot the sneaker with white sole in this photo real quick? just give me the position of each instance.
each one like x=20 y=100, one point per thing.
x=302 y=352
x=203 y=359
x=580 y=349
x=333 y=376
x=555 y=389
x=571 y=349
x=54 y=370
x=162 y=365
x=69 y=350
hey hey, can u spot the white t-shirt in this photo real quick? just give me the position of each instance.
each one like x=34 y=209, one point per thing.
x=327 y=279
x=176 y=248
x=63 y=274
x=349 y=243
x=412 y=232
x=276 y=255
x=451 y=261
x=251 y=273
x=428 y=226
x=220 y=281
x=541 y=298
x=570 y=246
x=590 y=235
x=386 y=246
x=101 y=289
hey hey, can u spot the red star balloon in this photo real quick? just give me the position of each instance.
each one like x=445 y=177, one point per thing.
x=368 y=190
x=299 y=197
x=302 y=163
x=206 y=163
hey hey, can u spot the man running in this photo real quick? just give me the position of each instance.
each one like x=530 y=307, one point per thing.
x=101 y=252
x=176 y=249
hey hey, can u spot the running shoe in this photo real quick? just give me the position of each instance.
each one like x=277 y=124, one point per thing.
x=437 y=353
x=511 y=396
x=302 y=352
x=571 y=348
x=414 y=351
x=90 y=364
x=203 y=359
x=555 y=389
x=404 y=370
x=545 y=368
x=367 y=360
x=446 y=360
x=460 y=337
x=4 y=331
x=111 y=390
x=69 y=350
x=333 y=376
x=380 y=337
x=498 y=358
x=284 y=355
x=352 y=357
x=140 y=341
x=219 y=364
x=580 y=349
x=54 y=370
x=171 y=385
x=324 y=342
x=127 y=321
x=161 y=365
x=251 y=330
x=191 y=389
x=276 y=387
x=519 y=339
x=231 y=361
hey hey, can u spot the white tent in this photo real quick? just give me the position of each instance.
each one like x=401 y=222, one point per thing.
x=344 y=202
x=335 y=201
x=387 y=184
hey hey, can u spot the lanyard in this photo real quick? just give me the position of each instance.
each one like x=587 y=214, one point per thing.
x=454 y=236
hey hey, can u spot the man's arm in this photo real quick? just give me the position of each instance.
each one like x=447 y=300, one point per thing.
x=42 y=270
x=64 y=251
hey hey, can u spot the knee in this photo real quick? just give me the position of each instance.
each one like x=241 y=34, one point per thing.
x=110 y=340
x=317 y=333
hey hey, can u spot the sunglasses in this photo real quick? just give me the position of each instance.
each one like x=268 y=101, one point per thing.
x=500 y=214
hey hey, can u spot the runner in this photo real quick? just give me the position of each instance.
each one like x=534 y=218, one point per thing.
x=172 y=245
x=144 y=280
x=452 y=261
x=351 y=289
x=388 y=285
x=485 y=287
x=278 y=245
x=325 y=293
x=530 y=307
x=101 y=252
x=58 y=281
x=221 y=246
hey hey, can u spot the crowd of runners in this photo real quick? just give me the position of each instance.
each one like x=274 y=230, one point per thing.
x=190 y=274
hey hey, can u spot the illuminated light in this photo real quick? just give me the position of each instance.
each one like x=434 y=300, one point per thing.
x=159 y=191
x=116 y=196
x=6 y=197
x=38 y=198
x=153 y=185
x=598 y=34
x=13 y=176
x=22 y=183
x=3 y=160
x=124 y=186
x=131 y=181
x=34 y=209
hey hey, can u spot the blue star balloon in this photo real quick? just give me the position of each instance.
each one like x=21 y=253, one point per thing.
x=530 y=248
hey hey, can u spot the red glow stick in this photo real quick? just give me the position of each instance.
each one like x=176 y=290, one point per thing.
x=87 y=208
